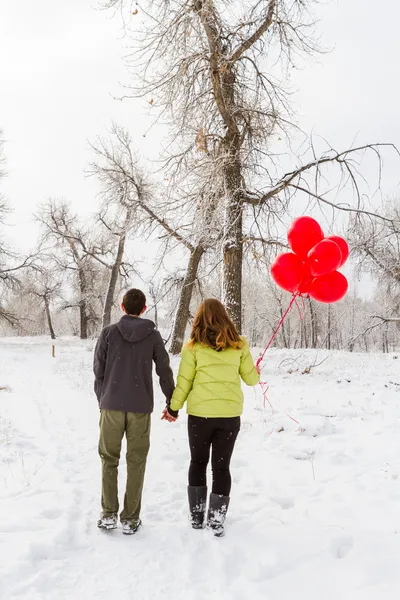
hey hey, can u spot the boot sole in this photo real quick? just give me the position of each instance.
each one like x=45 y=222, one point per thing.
x=220 y=534
x=107 y=527
x=216 y=532
x=132 y=531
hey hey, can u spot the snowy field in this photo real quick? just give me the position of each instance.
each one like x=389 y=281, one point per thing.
x=315 y=511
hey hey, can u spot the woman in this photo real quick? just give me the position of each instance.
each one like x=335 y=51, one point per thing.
x=212 y=363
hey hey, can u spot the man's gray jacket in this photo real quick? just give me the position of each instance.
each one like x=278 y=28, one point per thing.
x=123 y=365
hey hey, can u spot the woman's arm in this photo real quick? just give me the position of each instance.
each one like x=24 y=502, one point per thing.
x=186 y=375
x=247 y=370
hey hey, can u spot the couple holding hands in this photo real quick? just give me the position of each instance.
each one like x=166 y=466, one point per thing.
x=213 y=362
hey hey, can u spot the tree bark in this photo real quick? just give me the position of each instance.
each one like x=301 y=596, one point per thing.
x=233 y=243
x=303 y=325
x=313 y=319
x=110 y=296
x=232 y=271
x=156 y=315
x=182 y=313
x=48 y=316
x=352 y=324
x=224 y=84
x=83 y=289
x=328 y=338
x=283 y=327
x=84 y=318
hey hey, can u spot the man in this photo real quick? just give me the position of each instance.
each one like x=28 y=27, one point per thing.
x=123 y=365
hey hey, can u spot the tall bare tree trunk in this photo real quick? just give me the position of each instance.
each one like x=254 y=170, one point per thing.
x=385 y=340
x=83 y=314
x=233 y=258
x=224 y=91
x=182 y=312
x=84 y=321
x=283 y=327
x=233 y=243
x=153 y=291
x=156 y=315
x=313 y=319
x=110 y=296
x=328 y=338
x=48 y=316
x=352 y=324
x=303 y=325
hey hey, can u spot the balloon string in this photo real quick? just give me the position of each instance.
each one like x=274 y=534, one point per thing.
x=264 y=388
x=263 y=384
x=299 y=309
x=267 y=347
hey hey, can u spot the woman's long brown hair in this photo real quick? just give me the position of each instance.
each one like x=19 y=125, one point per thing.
x=213 y=327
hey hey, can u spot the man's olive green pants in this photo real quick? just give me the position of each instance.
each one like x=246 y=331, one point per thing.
x=113 y=425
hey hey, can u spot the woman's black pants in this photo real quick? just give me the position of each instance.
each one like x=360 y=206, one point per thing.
x=220 y=435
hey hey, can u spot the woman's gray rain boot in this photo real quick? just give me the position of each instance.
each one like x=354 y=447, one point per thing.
x=217 y=514
x=197 y=505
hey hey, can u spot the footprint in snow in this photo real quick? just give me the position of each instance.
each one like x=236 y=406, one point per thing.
x=341 y=546
x=284 y=502
x=52 y=513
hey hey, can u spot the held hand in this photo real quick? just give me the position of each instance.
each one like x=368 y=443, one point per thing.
x=167 y=417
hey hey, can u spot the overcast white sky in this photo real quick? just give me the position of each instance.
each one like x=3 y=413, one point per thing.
x=61 y=62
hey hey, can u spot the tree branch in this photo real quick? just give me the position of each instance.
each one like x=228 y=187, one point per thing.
x=209 y=21
x=265 y=242
x=386 y=319
x=339 y=157
x=247 y=44
x=348 y=209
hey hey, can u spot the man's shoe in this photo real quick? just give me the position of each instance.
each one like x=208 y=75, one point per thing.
x=107 y=523
x=130 y=527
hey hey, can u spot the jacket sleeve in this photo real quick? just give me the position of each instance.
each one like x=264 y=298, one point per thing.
x=99 y=363
x=186 y=375
x=247 y=369
x=163 y=369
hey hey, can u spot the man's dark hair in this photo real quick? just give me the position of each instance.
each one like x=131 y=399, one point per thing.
x=134 y=302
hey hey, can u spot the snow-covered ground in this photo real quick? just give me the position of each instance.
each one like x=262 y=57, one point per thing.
x=315 y=508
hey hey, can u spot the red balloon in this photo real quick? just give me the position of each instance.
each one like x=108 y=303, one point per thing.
x=343 y=245
x=287 y=271
x=329 y=288
x=304 y=233
x=324 y=258
x=307 y=280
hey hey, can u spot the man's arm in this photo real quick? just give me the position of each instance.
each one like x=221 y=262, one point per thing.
x=163 y=369
x=99 y=363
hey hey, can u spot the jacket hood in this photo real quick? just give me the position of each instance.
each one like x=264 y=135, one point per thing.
x=135 y=329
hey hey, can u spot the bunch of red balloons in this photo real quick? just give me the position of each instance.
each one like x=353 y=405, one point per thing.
x=312 y=268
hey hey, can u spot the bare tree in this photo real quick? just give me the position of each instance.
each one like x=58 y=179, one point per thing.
x=154 y=291
x=7 y=276
x=74 y=252
x=46 y=286
x=218 y=76
x=376 y=244
x=12 y=264
x=183 y=222
x=124 y=189
x=206 y=234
